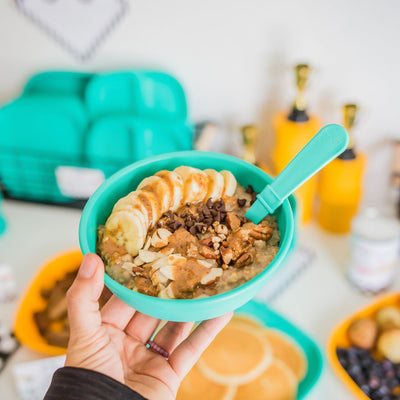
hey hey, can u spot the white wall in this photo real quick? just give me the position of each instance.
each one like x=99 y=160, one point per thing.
x=234 y=59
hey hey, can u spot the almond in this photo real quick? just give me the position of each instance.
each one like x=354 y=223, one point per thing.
x=212 y=276
x=148 y=256
x=168 y=271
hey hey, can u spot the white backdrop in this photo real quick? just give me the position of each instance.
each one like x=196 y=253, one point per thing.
x=234 y=59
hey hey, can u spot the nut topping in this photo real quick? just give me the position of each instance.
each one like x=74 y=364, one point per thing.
x=243 y=260
x=212 y=276
x=208 y=252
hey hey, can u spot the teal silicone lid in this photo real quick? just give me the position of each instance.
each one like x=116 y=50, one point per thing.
x=100 y=205
x=145 y=94
x=312 y=352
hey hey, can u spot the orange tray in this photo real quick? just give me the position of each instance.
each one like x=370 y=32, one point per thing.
x=25 y=328
x=338 y=338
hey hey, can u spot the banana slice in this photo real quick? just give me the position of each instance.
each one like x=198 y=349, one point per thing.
x=160 y=188
x=132 y=202
x=175 y=184
x=130 y=227
x=195 y=184
x=215 y=184
x=149 y=200
x=229 y=183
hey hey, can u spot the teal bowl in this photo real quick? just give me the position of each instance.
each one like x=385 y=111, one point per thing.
x=100 y=205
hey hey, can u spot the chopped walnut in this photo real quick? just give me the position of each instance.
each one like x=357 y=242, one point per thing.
x=261 y=232
x=243 y=260
x=239 y=242
x=192 y=250
x=233 y=221
x=208 y=252
x=227 y=254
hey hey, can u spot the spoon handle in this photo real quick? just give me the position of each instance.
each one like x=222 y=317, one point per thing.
x=327 y=144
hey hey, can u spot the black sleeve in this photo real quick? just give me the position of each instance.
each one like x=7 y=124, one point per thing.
x=71 y=383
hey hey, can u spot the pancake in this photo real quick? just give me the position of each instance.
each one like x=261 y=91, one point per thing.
x=237 y=355
x=277 y=382
x=195 y=386
x=286 y=350
x=248 y=320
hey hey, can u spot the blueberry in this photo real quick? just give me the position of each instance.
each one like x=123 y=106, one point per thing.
x=341 y=352
x=384 y=390
x=387 y=365
x=365 y=388
x=374 y=382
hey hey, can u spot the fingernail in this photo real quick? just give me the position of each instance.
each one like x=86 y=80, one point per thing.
x=88 y=267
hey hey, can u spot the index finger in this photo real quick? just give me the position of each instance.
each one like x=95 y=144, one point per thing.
x=190 y=350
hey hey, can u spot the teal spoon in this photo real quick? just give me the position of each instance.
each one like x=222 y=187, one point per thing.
x=326 y=145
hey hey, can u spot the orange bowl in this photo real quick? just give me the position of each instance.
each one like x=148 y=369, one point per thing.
x=25 y=328
x=338 y=338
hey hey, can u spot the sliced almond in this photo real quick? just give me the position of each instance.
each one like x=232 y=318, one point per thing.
x=174 y=258
x=148 y=256
x=164 y=233
x=147 y=244
x=168 y=271
x=166 y=251
x=161 y=262
x=159 y=278
x=127 y=266
x=157 y=242
x=205 y=263
x=212 y=276
x=166 y=293
x=160 y=238
x=138 y=261
x=169 y=292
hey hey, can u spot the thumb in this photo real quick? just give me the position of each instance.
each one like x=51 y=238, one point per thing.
x=83 y=295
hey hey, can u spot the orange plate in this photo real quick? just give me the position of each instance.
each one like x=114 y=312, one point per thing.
x=25 y=328
x=338 y=338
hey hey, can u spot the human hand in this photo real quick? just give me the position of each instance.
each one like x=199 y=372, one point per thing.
x=113 y=341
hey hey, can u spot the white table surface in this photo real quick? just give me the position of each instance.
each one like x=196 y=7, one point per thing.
x=318 y=299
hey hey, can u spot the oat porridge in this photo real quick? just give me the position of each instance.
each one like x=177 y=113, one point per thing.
x=183 y=234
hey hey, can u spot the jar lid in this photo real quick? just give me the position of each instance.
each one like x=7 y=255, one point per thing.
x=373 y=225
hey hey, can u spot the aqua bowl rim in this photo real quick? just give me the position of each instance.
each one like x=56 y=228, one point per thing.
x=219 y=298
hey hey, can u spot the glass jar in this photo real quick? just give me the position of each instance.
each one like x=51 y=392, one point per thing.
x=374 y=251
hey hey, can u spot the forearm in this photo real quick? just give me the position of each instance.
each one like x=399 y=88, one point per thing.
x=71 y=383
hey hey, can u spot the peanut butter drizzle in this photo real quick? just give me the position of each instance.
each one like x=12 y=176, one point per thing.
x=166 y=177
x=180 y=240
x=145 y=286
x=189 y=273
x=143 y=197
x=107 y=246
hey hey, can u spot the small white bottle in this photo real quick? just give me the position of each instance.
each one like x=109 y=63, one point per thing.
x=374 y=251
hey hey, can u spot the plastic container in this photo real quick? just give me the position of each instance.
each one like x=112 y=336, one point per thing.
x=87 y=121
x=272 y=319
x=374 y=251
x=25 y=328
x=3 y=223
x=145 y=94
x=116 y=141
x=56 y=83
x=338 y=338
x=99 y=207
x=340 y=190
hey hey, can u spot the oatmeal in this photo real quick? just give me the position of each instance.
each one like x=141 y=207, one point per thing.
x=196 y=248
